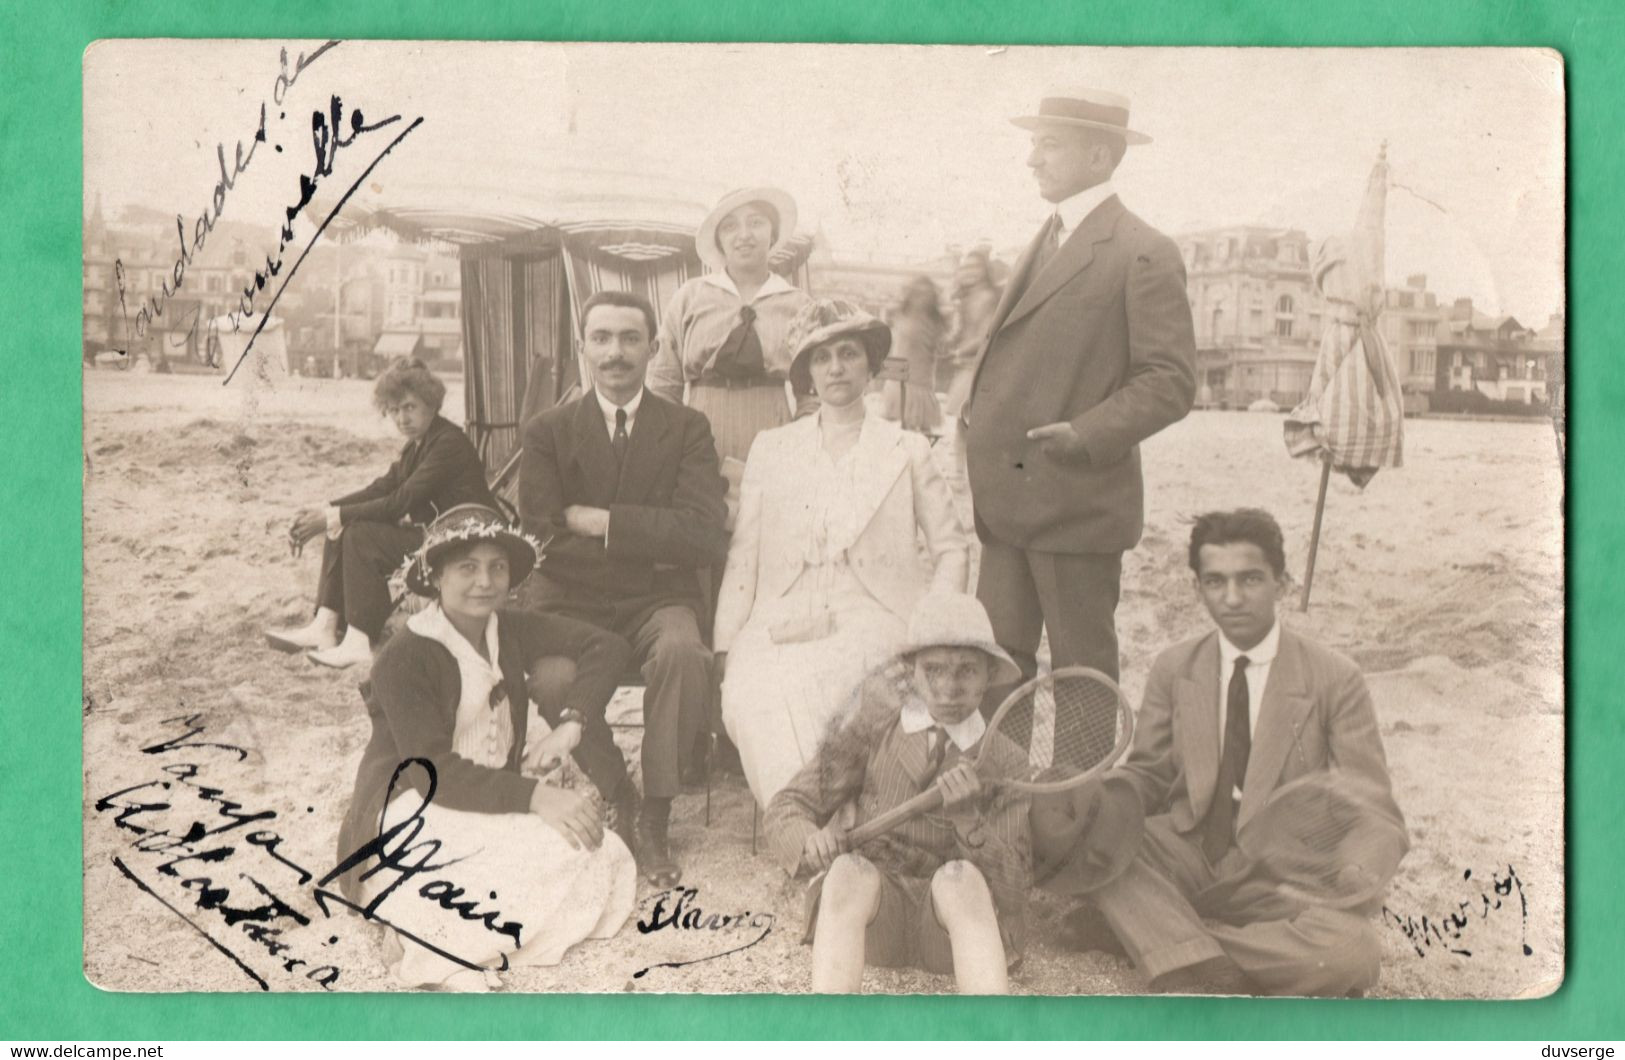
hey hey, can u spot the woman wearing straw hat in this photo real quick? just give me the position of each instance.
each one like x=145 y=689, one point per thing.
x=723 y=334
x=443 y=772
x=825 y=565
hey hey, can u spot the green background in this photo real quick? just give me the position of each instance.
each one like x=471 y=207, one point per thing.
x=43 y=994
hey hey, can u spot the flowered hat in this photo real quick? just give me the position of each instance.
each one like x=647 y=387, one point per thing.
x=824 y=319
x=778 y=202
x=465 y=524
x=958 y=620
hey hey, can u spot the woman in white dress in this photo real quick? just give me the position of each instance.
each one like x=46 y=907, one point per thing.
x=827 y=559
x=475 y=864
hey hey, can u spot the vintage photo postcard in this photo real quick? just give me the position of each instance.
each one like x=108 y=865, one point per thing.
x=801 y=518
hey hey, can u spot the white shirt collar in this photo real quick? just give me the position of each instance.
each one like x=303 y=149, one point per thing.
x=1260 y=654
x=775 y=284
x=485 y=670
x=1072 y=211
x=608 y=407
x=916 y=717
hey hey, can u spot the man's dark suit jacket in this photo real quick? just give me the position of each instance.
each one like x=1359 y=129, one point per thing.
x=1100 y=337
x=435 y=473
x=666 y=506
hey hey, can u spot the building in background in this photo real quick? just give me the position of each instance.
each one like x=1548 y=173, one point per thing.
x=349 y=309
x=130 y=263
x=1410 y=325
x=422 y=308
x=1256 y=313
x=1485 y=361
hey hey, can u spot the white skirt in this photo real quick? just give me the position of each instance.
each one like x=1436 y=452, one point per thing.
x=522 y=877
x=781 y=701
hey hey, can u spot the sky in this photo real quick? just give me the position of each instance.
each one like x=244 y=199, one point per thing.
x=893 y=151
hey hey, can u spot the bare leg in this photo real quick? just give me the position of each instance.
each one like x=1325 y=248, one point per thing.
x=850 y=900
x=964 y=906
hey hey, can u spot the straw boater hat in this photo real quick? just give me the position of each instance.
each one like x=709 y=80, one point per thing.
x=958 y=620
x=824 y=319
x=778 y=202
x=465 y=524
x=1087 y=108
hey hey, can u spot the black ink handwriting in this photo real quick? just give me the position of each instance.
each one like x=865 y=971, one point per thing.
x=326 y=143
x=685 y=914
x=1446 y=930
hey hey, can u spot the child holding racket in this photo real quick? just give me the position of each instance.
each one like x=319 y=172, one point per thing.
x=946 y=890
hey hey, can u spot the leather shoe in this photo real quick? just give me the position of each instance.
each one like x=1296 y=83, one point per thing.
x=1216 y=976
x=654 y=854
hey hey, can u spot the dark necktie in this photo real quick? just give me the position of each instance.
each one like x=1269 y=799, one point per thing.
x=936 y=751
x=1219 y=829
x=621 y=439
x=1049 y=242
x=740 y=355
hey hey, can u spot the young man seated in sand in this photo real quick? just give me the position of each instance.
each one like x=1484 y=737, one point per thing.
x=1228 y=717
x=945 y=891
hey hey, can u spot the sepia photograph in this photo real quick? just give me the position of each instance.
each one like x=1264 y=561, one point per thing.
x=810 y=518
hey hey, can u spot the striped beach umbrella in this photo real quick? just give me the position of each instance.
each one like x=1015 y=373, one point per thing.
x=1352 y=419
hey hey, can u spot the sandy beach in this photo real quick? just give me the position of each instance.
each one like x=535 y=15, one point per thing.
x=1443 y=580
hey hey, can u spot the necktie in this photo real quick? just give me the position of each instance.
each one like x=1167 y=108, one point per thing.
x=1219 y=829
x=621 y=439
x=936 y=751
x=740 y=355
x=1047 y=246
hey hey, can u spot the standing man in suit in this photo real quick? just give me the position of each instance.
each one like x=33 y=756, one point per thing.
x=626 y=485
x=1229 y=717
x=1091 y=351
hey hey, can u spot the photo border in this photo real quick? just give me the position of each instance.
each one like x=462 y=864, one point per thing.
x=46 y=995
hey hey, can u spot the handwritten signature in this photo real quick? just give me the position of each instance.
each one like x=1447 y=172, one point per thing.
x=684 y=914
x=203 y=857
x=1447 y=930
x=152 y=307
x=327 y=137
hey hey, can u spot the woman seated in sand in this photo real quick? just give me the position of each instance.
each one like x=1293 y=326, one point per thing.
x=825 y=564
x=451 y=690
x=371 y=531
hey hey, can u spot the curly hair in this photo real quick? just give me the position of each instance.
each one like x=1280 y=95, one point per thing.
x=1252 y=526
x=408 y=375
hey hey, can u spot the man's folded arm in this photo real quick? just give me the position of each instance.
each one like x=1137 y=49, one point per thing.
x=688 y=532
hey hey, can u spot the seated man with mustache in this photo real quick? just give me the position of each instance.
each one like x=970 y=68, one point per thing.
x=624 y=486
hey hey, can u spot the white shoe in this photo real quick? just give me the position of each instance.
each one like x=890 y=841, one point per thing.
x=354 y=649
x=317 y=634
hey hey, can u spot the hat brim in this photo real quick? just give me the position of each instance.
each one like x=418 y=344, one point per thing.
x=1040 y=121
x=705 y=239
x=420 y=569
x=875 y=334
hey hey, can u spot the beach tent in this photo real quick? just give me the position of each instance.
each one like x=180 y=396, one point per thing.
x=267 y=358
x=532 y=250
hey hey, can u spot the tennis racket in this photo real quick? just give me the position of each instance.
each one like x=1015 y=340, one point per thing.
x=1068 y=725
x=1330 y=838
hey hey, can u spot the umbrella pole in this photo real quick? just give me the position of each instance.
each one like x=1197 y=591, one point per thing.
x=1314 y=535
